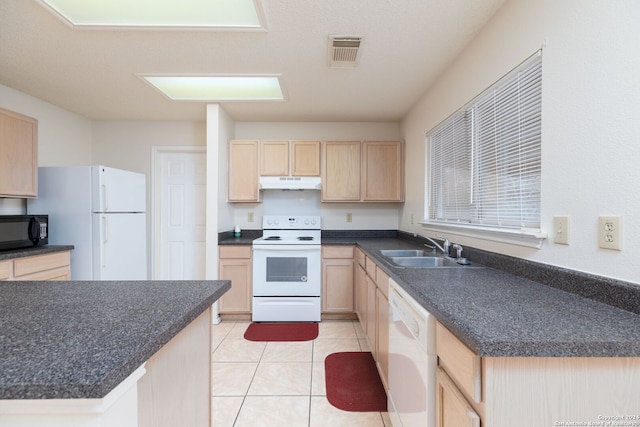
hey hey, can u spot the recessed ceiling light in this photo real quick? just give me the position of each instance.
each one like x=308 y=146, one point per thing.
x=218 y=88
x=227 y=14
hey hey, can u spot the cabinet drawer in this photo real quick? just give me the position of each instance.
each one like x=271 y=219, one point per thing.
x=35 y=264
x=235 y=251
x=460 y=362
x=5 y=270
x=337 y=252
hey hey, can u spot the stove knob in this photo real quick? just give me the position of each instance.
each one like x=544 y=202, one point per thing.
x=313 y=221
x=276 y=222
x=306 y=222
x=269 y=222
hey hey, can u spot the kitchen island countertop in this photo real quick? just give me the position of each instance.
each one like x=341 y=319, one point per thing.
x=80 y=339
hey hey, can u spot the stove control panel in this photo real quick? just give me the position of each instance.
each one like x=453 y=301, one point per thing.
x=284 y=222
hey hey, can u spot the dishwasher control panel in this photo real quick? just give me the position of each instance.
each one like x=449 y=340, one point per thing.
x=418 y=321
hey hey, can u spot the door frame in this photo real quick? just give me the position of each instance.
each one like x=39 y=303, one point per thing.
x=156 y=174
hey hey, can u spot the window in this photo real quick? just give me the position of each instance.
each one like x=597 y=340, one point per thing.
x=484 y=161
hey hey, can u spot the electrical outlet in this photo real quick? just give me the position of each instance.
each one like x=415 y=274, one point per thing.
x=610 y=232
x=561 y=229
x=349 y=217
x=250 y=217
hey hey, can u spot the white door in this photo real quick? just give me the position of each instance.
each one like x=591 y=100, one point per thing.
x=180 y=214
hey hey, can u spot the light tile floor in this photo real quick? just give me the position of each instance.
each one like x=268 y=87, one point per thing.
x=281 y=383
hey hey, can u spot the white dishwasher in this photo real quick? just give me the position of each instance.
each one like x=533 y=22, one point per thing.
x=412 y=361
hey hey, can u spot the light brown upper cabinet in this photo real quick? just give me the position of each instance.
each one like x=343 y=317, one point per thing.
x=295 y=158
x=369 y=171
x=305 y=158
x=243 y=171
x=18 y=155
x=382 y=171
x=340 y=171
x=274 y=159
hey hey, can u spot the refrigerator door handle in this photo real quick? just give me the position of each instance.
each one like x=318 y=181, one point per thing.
x=105 y=239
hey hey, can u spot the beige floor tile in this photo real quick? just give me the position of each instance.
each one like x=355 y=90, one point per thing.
x=324 y=414
x=219 y=333
x=359 y=331
x=386 y=419
x=364 y=344
x=336 y=329
x=281 y=378
x=231 y=379
x=224 y=410
x=324 y=347
x=239 y=329
x=318 y=382
x=238 y=350
x=288 y=352
x=271 y=411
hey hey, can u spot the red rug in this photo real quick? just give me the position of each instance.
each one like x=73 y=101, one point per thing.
x=281 y=332
x=353 y=383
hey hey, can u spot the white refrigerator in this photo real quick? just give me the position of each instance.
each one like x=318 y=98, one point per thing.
x=102 y=212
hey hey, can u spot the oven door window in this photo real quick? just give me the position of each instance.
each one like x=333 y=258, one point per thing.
x=287 y=269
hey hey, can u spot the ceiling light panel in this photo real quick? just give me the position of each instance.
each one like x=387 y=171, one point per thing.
x=218 y=88
x=226 y=14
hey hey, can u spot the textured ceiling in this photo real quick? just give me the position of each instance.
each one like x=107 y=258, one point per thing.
x=406 y=45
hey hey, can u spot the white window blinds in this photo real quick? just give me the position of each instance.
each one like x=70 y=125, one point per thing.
x=485 y=160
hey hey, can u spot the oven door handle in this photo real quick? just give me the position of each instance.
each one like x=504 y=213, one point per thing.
x=272 y=248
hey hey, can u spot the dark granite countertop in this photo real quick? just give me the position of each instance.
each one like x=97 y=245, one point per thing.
x=507 y=307
x=67 y=340
x=34 y=250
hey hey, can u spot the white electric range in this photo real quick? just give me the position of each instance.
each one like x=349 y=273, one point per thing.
x=287 y=269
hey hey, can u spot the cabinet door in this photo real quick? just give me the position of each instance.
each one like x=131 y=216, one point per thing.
x=238 y=298
x=274 y=159
x=361 y=295
x=5 y=270
x=337 y=286
x=18 y=155
x=452 y=410
x=243 y=171
x=372 y=317
x=305 y=158
x=382 y=339
x=382 y=171
x=55 y=266
x=340 y=171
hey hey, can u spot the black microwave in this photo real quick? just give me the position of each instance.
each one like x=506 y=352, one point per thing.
x=22 y=231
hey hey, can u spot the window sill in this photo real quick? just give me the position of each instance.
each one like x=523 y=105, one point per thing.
x=522 y=237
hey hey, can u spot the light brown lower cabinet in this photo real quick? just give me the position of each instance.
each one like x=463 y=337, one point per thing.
x=337 y=279
x=372 y=308
x=452 y=409
x=51 y=266
x=235 y=264
x=530 y=391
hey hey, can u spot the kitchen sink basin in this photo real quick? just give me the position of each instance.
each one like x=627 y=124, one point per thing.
x=402 y=253
x=424 y=261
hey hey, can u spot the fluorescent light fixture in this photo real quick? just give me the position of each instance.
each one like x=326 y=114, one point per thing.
x=218 y=88
x=228 y=14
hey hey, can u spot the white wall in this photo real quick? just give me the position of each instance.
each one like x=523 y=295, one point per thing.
x=366 y=216
x=63 y=137
x=591 y=101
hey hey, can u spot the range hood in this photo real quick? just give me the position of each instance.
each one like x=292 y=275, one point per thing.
x=290 y=183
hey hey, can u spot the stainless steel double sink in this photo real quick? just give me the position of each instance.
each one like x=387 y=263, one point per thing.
x=417 y=258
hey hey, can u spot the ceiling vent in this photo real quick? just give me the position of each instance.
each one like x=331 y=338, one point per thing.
x=343 y=51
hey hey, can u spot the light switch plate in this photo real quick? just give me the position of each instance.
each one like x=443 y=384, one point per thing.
x=561 y=229
x=610 y=232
